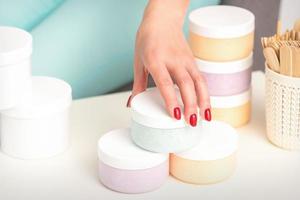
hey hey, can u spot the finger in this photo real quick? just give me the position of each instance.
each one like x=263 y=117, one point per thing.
x=188 y=94
x=165 y=85
x=140 y=80
x=202 y=92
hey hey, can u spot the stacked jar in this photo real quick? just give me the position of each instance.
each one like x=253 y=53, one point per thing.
x=34 y=110
x=140 y=158
x=221 y=38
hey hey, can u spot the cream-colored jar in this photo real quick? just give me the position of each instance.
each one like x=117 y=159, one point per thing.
x=212 y=160
x=234 y=110
x=221 y=33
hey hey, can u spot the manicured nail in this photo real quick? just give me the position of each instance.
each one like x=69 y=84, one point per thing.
x=207 y=115
x=193 y=120
x=128 y=101
x=177 y=113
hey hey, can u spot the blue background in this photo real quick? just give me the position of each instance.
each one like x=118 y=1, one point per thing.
x=88 y=43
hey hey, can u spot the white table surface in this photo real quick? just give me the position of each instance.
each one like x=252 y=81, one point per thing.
x=263 y=172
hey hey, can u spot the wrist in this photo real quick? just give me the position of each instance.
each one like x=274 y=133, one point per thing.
x=171 y=10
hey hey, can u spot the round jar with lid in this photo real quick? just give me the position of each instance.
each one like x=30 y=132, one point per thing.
x=153 y=129
x=226 y=78
x=126 y=168
x=212 y=160
x=15 y=66
x=234 y=109
x=39 y=126
x=221 y=33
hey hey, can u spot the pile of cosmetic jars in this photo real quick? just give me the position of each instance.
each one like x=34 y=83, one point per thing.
x=221 y=38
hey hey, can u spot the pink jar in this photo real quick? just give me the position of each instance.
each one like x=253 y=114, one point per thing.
x=124 y=167
x=227 y=78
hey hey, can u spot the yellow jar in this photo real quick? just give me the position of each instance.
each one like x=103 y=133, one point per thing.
x=212 y=160
x=234 y=110
x=221 y=33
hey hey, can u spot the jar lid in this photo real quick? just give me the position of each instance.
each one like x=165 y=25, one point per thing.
x=230 y=101
x=221 y=21
x=148 y=108
x=225 y=67
x=117 y=150
x=49 y=95
x=15 y=45
x=218 y=141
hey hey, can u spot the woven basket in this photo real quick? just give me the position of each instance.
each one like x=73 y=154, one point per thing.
x=283 y=110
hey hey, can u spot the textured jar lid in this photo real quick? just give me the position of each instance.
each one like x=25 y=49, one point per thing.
x=225 y=67
x=148 y=109
x=230 y=101
x=221 y=21
x=49 y=95
x=218 y=141
x=15 y=45
x=116 y=149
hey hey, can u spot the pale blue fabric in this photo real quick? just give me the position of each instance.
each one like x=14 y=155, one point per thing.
x=88 y=43
x=26 y=14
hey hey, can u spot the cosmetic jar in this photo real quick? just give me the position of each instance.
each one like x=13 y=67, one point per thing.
x=226 y=78
x=221 y=33
x=15 y=65
x=212 y=160
x=126 y=168
x=39 y=127
x=153 y=129
x=234 y=110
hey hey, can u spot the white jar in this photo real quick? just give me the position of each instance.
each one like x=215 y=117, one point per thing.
x=39 y=127
x=155 y=130
x=15 y=65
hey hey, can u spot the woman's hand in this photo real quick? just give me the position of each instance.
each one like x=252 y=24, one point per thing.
x=162 y=51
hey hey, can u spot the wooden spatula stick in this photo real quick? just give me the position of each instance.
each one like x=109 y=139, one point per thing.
x=272 y=59
x=286 y=67
x=278 y=30
x=296 y=61
x=297 y=25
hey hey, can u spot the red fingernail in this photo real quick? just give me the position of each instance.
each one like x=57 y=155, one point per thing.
x=177 y=113
x=207 y=115
x=128 y=101
x=193 y=120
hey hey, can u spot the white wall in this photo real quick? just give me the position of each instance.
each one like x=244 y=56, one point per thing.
x=289 y=12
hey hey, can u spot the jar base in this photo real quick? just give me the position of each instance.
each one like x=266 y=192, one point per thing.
x=202 y=172
x=133 y=181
